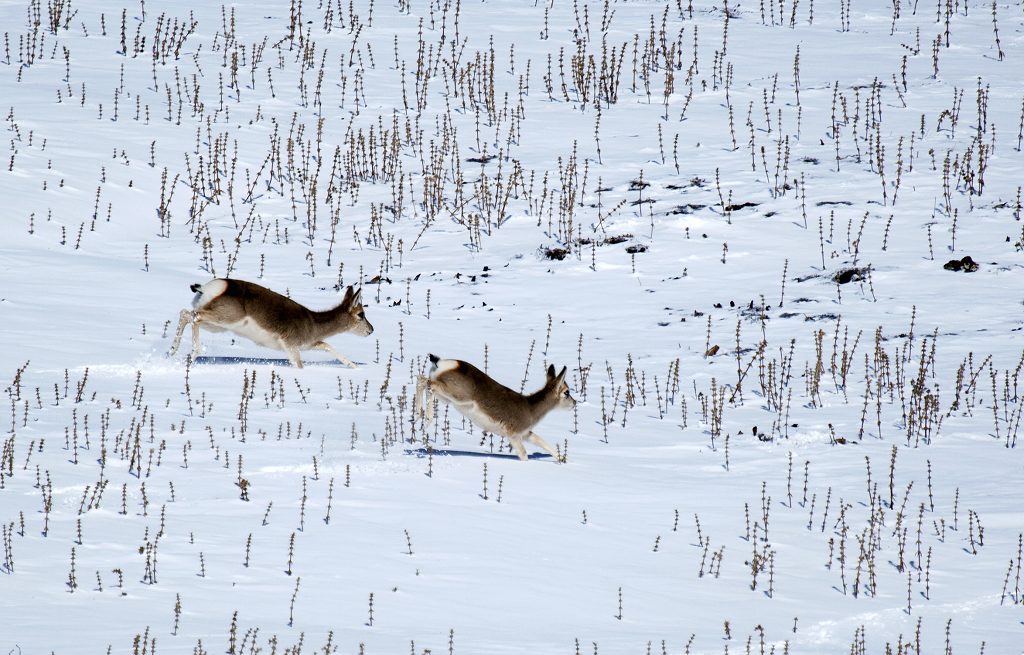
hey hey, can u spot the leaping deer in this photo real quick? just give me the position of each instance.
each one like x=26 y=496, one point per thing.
x=270 y=319
x=491 y=405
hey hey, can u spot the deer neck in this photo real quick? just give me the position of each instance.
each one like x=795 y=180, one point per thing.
x=332 y=321
x=541 y=402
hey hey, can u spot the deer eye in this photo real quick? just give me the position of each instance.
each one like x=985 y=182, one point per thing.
x=362 y=314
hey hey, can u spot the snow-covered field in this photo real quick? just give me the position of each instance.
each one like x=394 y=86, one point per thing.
x=797 y=432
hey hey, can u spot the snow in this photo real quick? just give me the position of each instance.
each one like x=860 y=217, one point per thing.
x=703 y=200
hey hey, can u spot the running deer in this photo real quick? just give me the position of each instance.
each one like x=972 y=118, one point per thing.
x=270 y=319
x=491 y=405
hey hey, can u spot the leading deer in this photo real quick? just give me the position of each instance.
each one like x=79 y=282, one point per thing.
x=270 y=319
x=491 y=405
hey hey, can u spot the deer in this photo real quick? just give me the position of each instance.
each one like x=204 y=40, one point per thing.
x=491 y=405
x=270 y=319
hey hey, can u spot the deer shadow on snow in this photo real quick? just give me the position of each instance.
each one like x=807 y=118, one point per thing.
x=226 y=360
x=449 y=452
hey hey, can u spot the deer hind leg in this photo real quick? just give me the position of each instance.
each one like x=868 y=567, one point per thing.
x=186 y=316
x=423 y=401
x=196 y=320
x=535 y=439
x=323 y=345
x=417 y=399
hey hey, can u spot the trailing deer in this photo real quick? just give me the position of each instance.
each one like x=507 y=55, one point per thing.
x=270 y=319
x=491 y=405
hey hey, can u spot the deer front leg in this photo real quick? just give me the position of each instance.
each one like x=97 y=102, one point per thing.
x=293 y=353
x=323 y=345
x=535 y=439
x=184 y=318
x=517 y=443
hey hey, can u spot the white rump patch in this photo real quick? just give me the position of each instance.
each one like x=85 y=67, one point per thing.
x=443 y=366
x=208 y=292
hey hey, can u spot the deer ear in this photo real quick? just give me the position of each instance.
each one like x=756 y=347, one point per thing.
x=561 y=374
x=357 y=297
x=347 y=300
x=551 y=371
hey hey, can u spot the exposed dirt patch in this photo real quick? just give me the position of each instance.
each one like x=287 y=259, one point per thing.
x=966 y=265
x=852 y=274
x=554 y=253
x=686 y=209
x=742 y=205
